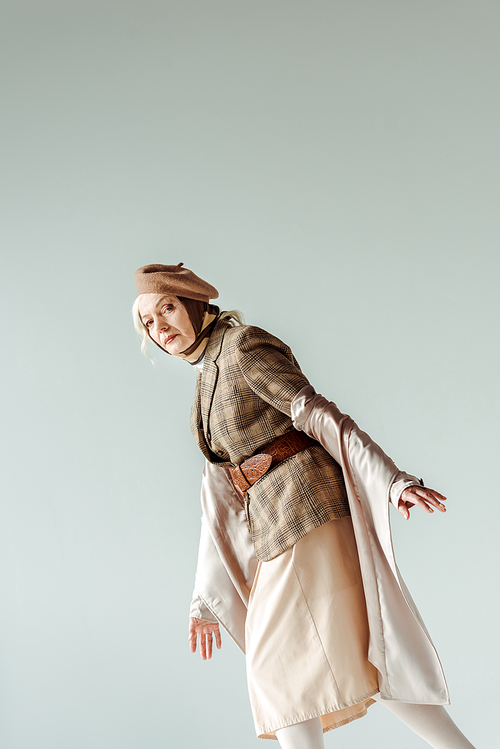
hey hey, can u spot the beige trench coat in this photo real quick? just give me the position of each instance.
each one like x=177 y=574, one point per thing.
x=400 y=646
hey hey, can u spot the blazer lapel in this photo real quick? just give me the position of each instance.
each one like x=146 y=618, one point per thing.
x=196 y=422
x=205 y=387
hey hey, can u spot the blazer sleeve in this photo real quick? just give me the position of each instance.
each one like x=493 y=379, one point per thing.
x=269 y=367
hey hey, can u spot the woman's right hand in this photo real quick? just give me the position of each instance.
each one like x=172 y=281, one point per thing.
x=421 y=496
x=205 y=630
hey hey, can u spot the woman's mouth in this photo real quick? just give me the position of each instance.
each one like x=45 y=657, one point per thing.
x=169 y=339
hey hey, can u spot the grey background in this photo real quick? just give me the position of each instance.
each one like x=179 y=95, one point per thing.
x=333 y=168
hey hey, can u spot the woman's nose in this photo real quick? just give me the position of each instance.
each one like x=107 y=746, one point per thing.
x=160 y=325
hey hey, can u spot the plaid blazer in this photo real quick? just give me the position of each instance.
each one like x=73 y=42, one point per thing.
x=242 y=402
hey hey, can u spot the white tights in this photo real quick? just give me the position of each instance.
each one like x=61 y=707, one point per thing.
x=306 y=735
x=431 y=722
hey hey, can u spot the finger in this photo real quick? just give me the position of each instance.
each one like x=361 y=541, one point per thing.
x=203 y=649
x=209 y=645
x=433 y=500
x=403 y=509
x=218 y=640
x=422 y=499
x=431 y=496
x=437 y=500
x=436 y=494
x=192 y=627
x=434 y=503
x=423 y=504
x=192 y=636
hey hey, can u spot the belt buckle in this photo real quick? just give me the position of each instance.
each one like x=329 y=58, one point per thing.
x=250 y=471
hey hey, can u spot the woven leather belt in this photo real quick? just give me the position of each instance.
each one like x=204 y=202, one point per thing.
x=252 y=469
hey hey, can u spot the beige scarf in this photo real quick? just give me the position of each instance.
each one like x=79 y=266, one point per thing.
x=195 y=353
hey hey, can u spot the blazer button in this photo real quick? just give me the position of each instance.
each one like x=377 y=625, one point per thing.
x=220 y=452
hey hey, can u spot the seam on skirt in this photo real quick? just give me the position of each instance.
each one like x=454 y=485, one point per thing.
x=254 y=584
x=315 y=627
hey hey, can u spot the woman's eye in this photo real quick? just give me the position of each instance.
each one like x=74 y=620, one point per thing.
x=168 y=308
x=148 y=324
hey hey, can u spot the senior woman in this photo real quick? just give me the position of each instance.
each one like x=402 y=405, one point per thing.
x=295 y=559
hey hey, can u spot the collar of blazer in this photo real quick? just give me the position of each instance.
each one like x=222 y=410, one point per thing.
x=205 y=387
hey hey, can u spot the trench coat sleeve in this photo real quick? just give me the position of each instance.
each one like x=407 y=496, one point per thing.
x=206 y=559
x=226 y=559
x=400 y=646
x=309 y=408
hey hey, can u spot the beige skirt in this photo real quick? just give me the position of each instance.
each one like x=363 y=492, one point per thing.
x=307 y=634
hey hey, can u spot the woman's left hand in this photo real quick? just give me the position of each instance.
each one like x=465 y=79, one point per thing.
x=204 y=630
x=421 y=496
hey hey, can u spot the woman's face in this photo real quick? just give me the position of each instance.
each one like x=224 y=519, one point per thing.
x=167 y=322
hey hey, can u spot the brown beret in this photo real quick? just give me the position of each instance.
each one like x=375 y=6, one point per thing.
x=175 y=280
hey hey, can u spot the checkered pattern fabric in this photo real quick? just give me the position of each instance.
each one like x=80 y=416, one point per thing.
x=242 y=403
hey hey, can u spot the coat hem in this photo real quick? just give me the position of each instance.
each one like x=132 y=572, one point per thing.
x=268 y=732
x=386 y=698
